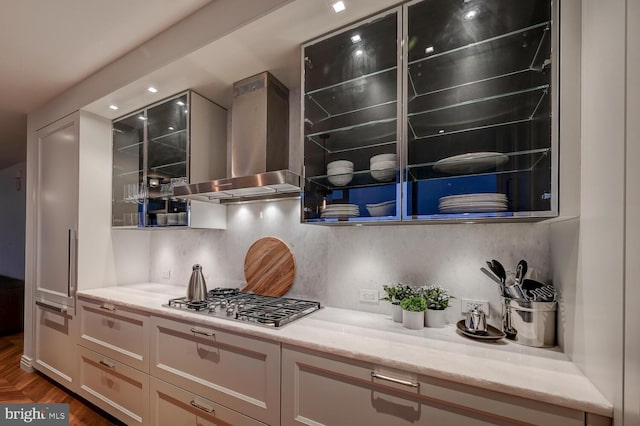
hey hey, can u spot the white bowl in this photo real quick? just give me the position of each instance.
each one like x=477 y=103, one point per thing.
x=388 y=208
x=383 y=175
x=340 y=163
x=339 y=171
x=383 y=165
x=340 y=180
x=383 y=157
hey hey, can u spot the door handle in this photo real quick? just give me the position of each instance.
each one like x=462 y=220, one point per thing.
x=203 y=408
x=394 y=380
x=69 y=263
x=51 y=307
x=204 y=333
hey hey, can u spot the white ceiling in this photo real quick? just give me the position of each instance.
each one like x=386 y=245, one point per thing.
x=49 y=46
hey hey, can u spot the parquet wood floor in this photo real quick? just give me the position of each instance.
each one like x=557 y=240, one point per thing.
x=18 y=386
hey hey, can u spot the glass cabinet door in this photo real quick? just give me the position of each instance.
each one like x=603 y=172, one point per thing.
x=167 y=154
x=350 y=105
x=128 y=171
x=478 y=93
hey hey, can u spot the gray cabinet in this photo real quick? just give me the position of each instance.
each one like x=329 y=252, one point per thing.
x=319 y=389
x=460 y=99
x=174 y=142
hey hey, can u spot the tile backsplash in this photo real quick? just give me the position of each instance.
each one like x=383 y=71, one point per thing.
x=333 y=263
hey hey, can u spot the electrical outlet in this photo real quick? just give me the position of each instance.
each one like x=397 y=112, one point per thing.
x=369 y=296
x=166 y=274
x=464 y=303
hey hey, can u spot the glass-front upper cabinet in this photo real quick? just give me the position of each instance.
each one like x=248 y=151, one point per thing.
x=152 y=153
x=479 y=109
x=453 y=123
x=351 y=127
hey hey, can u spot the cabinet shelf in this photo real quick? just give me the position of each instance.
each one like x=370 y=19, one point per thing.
x=128 y=147
x=497 y=110
x=360 y=179
x=520 y=161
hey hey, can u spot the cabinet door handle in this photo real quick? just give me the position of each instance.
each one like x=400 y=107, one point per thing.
x=394 y=380
x=204 y=333
x=69 y=263
x=51 y=307
x=203 y=408
x=107 y=364
x=108 y=308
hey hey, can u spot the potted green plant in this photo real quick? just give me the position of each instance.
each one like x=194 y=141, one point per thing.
x=437 y=299
x=396 y=293
x=413 y=308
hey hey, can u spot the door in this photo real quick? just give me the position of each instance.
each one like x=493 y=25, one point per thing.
x=57 y=212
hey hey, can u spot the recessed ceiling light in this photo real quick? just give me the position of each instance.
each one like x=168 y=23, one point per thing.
x=180 y=103
x=359 y=52
x=339 y=6
x=441 y=131
x=142 y=117
x=152 y=89
x=113 y=107
x=471 y=14
x=356 y=38
x=171 y=128
x=429 y=49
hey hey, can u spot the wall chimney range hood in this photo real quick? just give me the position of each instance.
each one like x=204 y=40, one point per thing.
x=259 y=147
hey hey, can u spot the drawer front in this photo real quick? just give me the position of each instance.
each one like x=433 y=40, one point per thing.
x=171 y=406
x=118 y=332
x=324 y=390
x=238 y=372
x=118 y=389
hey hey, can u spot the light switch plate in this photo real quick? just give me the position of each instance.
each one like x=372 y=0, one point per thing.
x=166 y=274
x=369 y=296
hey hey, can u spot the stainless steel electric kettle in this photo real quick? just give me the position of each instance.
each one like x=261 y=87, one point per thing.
x=197 y=289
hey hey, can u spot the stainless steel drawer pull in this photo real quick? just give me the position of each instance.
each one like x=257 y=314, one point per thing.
x=107 y=364
x=204 y=333
x=108 y=308
x=394 y=380
x=200 y=407
x=62 y=310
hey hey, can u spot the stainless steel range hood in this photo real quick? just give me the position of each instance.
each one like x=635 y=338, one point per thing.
x=259 y=147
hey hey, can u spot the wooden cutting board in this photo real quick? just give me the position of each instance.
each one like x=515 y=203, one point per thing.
x=269 y=267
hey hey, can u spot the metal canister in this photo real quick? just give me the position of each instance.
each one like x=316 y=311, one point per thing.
x=476 y=321
x=529 y=323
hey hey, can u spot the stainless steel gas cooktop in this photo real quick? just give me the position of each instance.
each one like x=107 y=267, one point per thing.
x=230 y=303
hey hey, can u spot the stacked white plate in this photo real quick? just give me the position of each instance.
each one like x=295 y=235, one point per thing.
x=340 y=210
x=383 y=167
x=340 y=172
x=473 y=203
x=472 y=162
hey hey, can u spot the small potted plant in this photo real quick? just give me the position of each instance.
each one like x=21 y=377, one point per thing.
x=437 y=299
x=413 y=308
x=396 y=293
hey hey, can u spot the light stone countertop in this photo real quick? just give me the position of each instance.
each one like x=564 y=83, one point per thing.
x=545 y=375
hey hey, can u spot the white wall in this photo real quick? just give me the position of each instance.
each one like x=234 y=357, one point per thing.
x=12 y=221
x=334 y=262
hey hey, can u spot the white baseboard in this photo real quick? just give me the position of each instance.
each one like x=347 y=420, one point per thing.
x=26 y=364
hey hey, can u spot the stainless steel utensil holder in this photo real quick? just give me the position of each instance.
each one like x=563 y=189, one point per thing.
x=529 y=323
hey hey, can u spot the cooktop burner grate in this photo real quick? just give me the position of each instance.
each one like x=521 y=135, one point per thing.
x=230 y=303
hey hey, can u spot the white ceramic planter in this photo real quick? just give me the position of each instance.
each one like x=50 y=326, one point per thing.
x=435 y=318
x=396 y=312
x=413 y=320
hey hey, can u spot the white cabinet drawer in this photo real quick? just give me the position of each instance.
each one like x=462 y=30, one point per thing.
x=241 y=373
x=120 y=333
x=326 y=390
x=116 y=388
x=171 y=406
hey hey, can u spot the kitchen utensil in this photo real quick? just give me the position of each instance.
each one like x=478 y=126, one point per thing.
x=492 y=276
x=529 y=284
x=544 y=294
x=476 y=321
x=500 y=271
x=524 y=267
x=197 y=288
x=515 y=292
x=492 y=332
x=269 y=267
